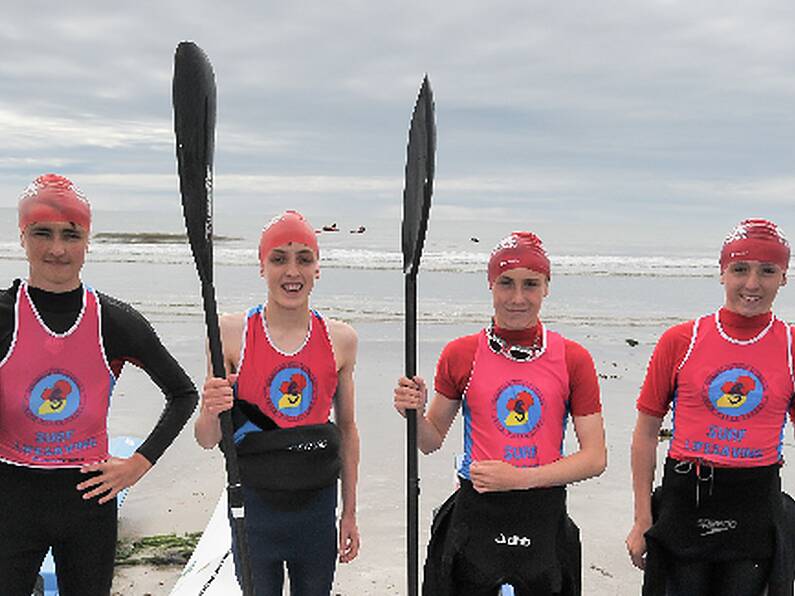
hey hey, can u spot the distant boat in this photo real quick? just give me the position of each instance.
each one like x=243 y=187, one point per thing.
x=332 y=228
x=359 y=230
x=475 y=239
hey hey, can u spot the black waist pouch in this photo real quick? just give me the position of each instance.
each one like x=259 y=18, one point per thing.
x=291 y=459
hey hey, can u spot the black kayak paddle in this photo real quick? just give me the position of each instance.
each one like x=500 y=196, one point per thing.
x=416 y=208
x=194 y=125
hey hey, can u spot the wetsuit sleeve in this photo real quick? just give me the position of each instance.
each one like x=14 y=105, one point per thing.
x=455 y=366
x=584 y=396
x=128 y=337
x=660 y=382
x=8 y=298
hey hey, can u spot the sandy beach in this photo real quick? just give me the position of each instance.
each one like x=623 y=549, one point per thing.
x=179 y=494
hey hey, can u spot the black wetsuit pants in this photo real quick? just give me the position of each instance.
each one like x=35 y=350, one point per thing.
x=40 y=509
x=724 y=578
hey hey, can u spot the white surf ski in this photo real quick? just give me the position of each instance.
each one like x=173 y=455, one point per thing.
x=211 y=569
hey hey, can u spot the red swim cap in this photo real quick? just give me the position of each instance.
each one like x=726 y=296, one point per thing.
x=755 y=240
x=288 y=227
x=520 y=249
x=53 y=198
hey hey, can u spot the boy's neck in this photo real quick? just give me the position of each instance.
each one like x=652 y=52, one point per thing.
x=285 y=320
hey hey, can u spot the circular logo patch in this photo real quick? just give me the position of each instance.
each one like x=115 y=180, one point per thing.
x=55 y=397
x=518 y=409
x=735 y=393
x=292 y=391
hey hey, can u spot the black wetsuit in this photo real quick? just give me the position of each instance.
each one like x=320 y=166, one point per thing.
x=679 y=563
x=522 y=537
x=40 y=508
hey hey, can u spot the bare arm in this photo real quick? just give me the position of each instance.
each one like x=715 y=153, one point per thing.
x=644 y=463
x=345 y=343
x=432 y=427
x=217 y=393
x=588 y=461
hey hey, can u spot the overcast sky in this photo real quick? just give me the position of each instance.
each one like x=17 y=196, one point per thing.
x=616 y=116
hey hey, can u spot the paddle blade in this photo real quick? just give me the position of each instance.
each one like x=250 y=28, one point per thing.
x=419 y=178
x=193 y=94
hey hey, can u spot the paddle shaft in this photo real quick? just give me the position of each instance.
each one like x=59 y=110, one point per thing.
x=413 y=481
x=234 y=490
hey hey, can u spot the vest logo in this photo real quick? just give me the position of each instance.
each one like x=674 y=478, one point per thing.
x=715 y=526
x=735 y=393
x=291 y=391
x=55 y=397
x=513 y=540
x=518 y=410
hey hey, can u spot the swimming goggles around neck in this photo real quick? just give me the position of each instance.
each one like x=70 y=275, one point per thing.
x=512 y=352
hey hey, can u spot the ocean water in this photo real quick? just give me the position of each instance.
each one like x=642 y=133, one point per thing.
x=144 y=259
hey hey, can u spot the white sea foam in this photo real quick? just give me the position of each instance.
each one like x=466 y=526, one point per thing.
x=346 y=258
x=587 y=291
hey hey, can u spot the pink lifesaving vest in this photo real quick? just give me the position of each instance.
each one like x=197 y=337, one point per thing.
x=516 y=411
x=292 y=389
x=732 y=396
x=55 y=390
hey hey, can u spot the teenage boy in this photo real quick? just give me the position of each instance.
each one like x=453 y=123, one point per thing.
x=517 y=382
x=62 y=348
x=288 y=366
x=718 y=519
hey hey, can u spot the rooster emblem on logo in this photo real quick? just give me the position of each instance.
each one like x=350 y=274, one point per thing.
x=735 y=393
x=518 y=408
x=55 y=398
x=292 y=391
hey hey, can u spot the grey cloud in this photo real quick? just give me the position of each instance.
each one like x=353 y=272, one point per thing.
x=636 y=106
